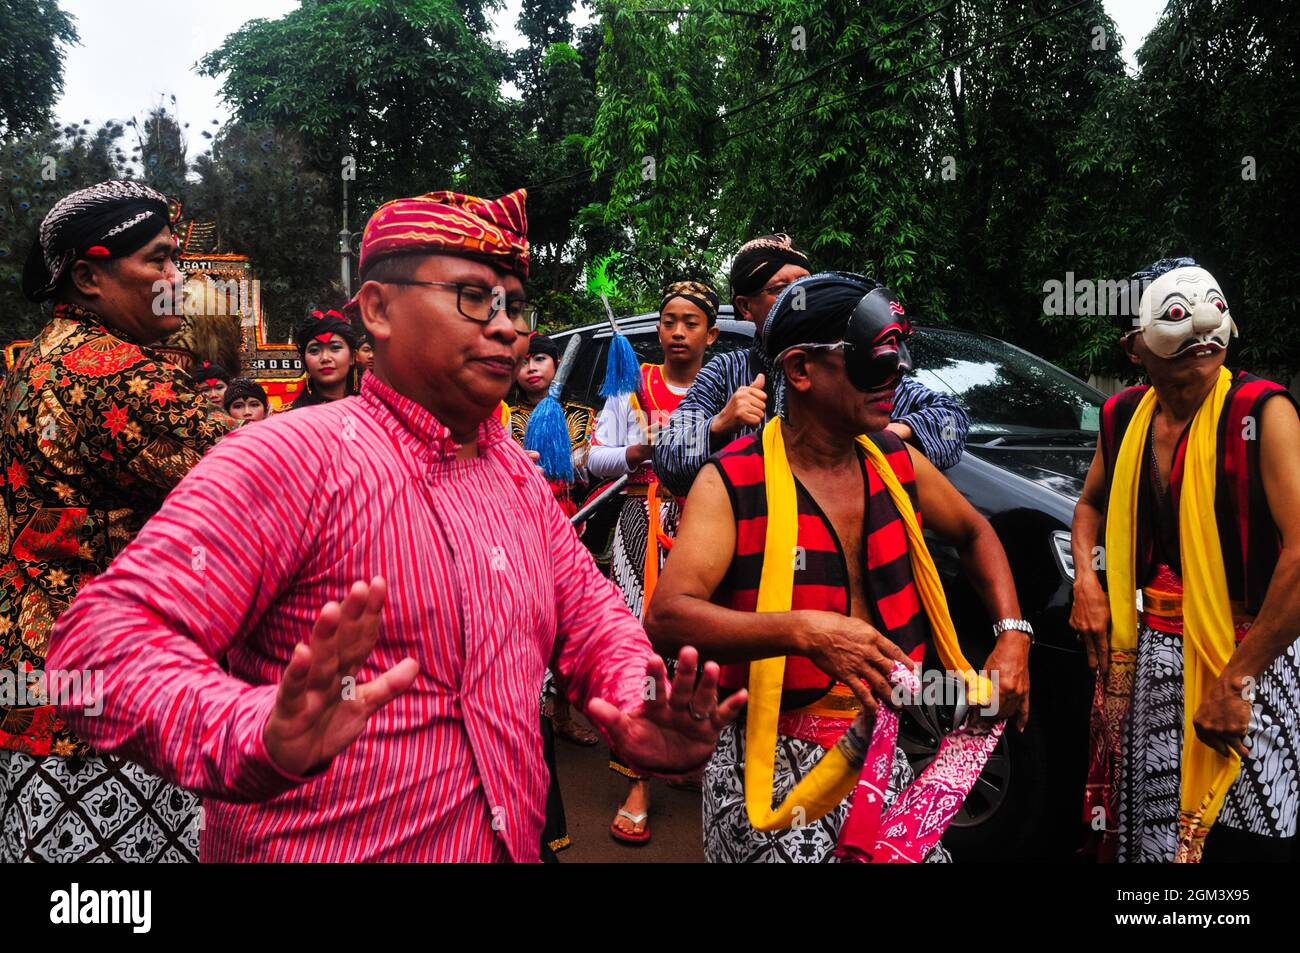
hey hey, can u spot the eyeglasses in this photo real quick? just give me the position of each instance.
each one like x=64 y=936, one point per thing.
x=481 y=304
x=776 y=289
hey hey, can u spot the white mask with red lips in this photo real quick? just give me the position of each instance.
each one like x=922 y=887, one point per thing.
x=1183 y=311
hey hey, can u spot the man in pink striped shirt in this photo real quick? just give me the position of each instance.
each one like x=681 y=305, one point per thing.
x=400 y=723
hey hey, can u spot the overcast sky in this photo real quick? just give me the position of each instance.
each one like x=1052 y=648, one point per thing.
x=133 y=53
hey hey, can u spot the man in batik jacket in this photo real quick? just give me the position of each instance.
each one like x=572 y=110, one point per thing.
x=96 y=429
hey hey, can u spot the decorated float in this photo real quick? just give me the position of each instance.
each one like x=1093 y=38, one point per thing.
x=224 y=320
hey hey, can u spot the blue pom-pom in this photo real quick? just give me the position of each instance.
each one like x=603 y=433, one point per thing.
x=548 y=434
x=622 y=371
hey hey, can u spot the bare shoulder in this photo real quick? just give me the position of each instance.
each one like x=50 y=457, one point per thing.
x=1279 y=421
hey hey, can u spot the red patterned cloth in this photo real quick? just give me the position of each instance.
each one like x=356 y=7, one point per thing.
x=487 y=584
x=914 y=823
x=494 y=229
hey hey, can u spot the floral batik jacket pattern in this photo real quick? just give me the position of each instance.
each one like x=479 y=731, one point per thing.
x=94 y=431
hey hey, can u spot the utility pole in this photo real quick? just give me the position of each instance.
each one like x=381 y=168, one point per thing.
x=345 y=247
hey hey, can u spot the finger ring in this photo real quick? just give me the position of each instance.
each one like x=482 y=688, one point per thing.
x=690 y=706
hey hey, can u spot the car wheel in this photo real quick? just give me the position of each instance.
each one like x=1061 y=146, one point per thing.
x=1002 y=817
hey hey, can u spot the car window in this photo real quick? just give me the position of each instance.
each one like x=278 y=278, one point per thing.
x=1003 y=389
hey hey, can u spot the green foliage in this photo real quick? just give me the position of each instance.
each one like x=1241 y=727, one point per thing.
x=966 y=153
x=409 y=88
x=557 y=84
x=270 y=205
x=38 y=169
x=33 y=34
x=1219 y=100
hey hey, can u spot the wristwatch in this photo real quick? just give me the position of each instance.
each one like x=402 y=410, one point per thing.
x=1019 y=625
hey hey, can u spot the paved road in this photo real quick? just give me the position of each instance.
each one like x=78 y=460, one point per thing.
x=592 y=793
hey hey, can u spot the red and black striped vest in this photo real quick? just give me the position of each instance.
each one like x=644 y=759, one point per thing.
x=821 y=579
x=1248 y=537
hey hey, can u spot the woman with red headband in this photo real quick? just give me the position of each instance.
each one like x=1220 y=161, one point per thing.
x=328 y=345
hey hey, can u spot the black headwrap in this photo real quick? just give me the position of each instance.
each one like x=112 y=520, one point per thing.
x=760 y=259
x=540 y=344
x=840 y=306
x=697 y=293
x=242 y=388
x=206 y=372
x=109 y=220
x=814 y=310
x=1125 y=322
x=320 y=326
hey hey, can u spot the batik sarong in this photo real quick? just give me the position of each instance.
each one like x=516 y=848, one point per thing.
x=729 y=837
x=98 y=809
x=627 y=568
x=1263 y=800
x=627 y=552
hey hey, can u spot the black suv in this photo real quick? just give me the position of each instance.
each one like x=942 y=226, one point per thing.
x=1033 y=428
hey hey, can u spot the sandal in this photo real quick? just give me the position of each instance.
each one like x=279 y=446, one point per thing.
x=626 y=837
x=575 y=733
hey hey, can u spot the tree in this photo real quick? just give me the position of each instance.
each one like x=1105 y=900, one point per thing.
x=39 y=169
x=405 y=89
x=1040 y=189
x=543 y=23
x=33 y=34
x=1218 y=140
x=935 y=149
x=270 y=205
x=557 y=83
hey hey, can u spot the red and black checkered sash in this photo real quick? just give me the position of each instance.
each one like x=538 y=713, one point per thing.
x=821 y=579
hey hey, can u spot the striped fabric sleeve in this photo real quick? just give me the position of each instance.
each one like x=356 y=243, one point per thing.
x=937 y=419
x=203 y=570
x=601 y=649
x=684 y=445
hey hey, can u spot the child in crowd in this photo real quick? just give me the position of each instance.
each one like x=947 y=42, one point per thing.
x=245 y=400
x=210 y=380
x=625 y=433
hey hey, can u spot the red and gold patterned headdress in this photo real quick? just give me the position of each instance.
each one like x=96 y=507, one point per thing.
x=495 y=230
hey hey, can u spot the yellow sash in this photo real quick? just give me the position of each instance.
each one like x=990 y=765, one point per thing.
x=833 y=777
x=1208 y=636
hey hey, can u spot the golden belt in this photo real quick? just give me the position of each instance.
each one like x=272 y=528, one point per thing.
x=1169 y=605
x=839 y=702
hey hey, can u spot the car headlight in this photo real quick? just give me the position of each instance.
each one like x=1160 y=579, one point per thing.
x=1064 y=554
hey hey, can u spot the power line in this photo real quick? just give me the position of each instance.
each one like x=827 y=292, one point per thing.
x=540 y=186
x=833 y=63
x=898 y=79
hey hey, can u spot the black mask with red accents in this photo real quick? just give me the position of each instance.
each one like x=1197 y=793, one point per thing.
x=844 y=311
x=876 y=335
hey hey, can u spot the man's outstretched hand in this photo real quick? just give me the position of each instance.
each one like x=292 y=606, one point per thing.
x=677 y=728
x=317 y=713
